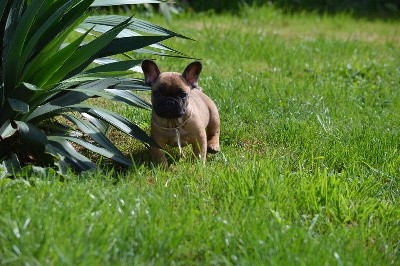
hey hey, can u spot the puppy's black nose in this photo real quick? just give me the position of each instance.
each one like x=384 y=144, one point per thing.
x=170 y=102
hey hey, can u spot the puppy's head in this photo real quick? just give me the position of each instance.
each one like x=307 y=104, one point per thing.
x=170 y=91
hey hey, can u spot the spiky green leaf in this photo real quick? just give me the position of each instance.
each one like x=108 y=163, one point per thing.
x=18 y=106
x=69 y=98
x=67 y=153
x=7 y=130
x=87 y=145
x=115 y=66
x=117 y=121
x=3 y=6
x=136 y=25
x=32 y=136
x=87 y=53
x=98 y=123
x=33 y=42
x=123 y=45
x=13 y=63
x=94 y=134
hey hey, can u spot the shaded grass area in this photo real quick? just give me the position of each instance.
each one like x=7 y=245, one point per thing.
x=308 y=174
x=371 y=9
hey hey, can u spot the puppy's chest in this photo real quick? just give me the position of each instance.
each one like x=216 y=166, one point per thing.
x=176 y=137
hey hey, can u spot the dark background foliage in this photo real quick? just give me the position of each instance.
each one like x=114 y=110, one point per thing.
x=359 y=8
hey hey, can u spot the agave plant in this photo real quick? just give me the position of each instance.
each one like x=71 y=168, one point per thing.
x=47 y=76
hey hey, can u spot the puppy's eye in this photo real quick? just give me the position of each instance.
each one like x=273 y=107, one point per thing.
x=156 y=93
x=183 y=95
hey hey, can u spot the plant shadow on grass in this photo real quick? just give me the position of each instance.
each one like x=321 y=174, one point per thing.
x=141 y=157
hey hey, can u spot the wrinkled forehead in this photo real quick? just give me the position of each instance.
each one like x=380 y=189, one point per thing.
x=171 y=79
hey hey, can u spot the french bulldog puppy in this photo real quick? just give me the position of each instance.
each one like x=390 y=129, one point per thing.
x=182 y=114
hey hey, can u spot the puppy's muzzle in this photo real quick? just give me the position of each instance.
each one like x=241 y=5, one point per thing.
x=169 y=108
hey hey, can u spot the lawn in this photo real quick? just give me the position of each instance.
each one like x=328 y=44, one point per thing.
x=309 y=172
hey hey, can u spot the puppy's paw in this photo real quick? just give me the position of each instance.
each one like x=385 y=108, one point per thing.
x=213 y=147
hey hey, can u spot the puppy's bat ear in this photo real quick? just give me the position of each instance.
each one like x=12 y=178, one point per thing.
x=192 y=72
x=150 y=71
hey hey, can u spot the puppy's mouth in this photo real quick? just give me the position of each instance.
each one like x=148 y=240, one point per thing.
x=169 y=109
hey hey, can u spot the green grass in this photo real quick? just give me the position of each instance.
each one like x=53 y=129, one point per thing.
x=309 y=172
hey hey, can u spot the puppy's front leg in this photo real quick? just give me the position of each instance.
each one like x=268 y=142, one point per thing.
x=158 y=155
x=200 y=147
